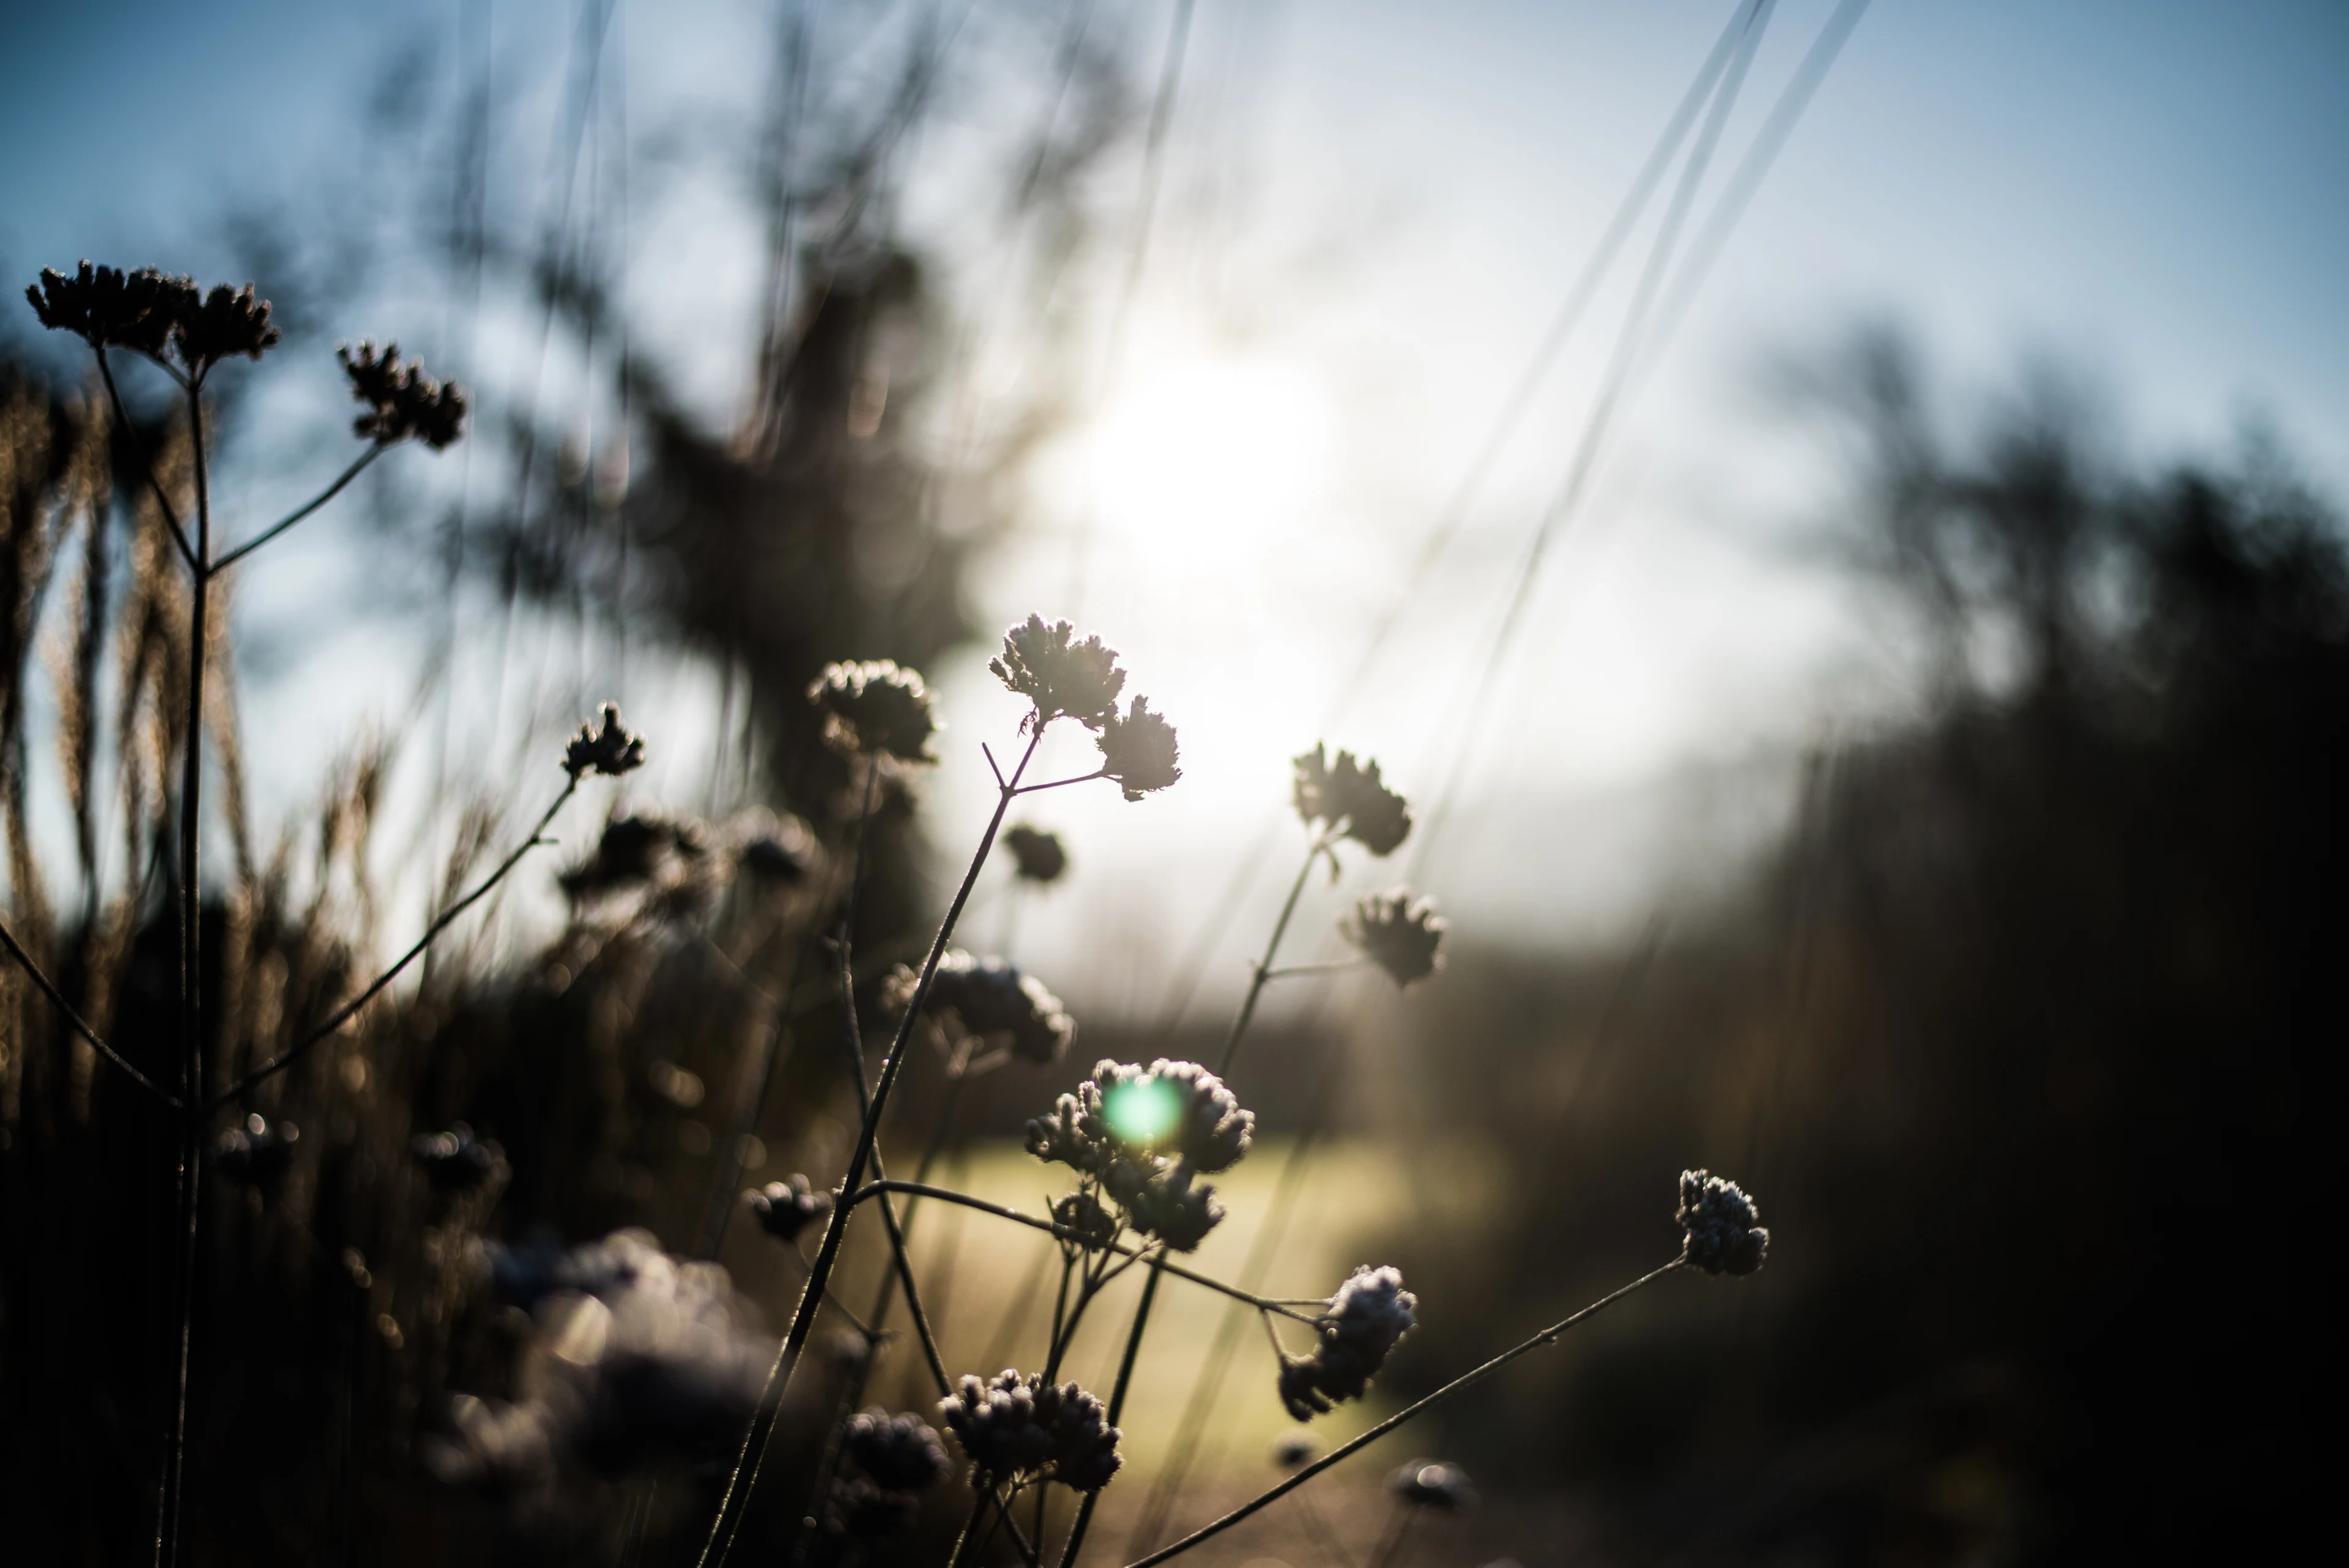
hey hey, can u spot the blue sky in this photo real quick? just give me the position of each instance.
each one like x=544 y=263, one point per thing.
x=1373 y=209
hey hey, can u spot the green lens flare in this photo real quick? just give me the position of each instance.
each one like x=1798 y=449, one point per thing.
x=1142 y=1112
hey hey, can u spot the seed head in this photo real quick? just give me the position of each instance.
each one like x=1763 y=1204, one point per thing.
x=1085 y=1222
x=1017 y=1431
x=1432 y=1484
x=784 y=1209
x=1144 y=1134
x=1038 y=856
x=1060 y=675
x=1139 y=751
x=455 y=1161
x=1397 y=934
x=1164 y=1203
x=400 y=399
x=610 y=750
x=228 y=323
x=890 y=1460
x=1724 y=1233
x=875 y=709
x=1370 y=1312
x=1351 y=793
x=105 y=307
x=259 y=1151
x=990 y=1001
x=630 y=851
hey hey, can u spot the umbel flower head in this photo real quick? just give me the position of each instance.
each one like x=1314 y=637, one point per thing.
x=610 y=750
x=1369 y=1314
x=990 y=1000
x=1724 y=1231
x=888 y=1461
x=400 y=399
x=784 y=1209
x=1058 y=674
x=1399 y=935
x=1432 y=1484
x=1020 y=1430
x=1138 y=751
x=106 y=306
x=875 y=709
x=1141 y=1136
x=1037 y=856
x=1349 y=793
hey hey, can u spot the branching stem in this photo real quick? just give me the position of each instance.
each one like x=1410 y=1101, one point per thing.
x=1265 y=972
x=374 y=450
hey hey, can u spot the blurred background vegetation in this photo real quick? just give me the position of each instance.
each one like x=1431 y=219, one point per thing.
x=2003 y=997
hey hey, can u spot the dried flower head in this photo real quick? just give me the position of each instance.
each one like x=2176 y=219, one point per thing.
x=1084 y=1221
x=1401 y=937
x=1143 y=1134
x=229 y=322
x=1351 y=793
x=875 y=709
x=784 y=1209
x=1370 y=1312
x=1139 y=751
x=775 y=860
x=1018 y=1431
x=1060 y=675
x=610 y=750
x=888 y=1461
x=258 y=1150
x=105 y=307
x=632 y=851
x=1037 y=856
x=400 y=399
x=1432 y=1484
x=990 y=1000
x=1724 y=1231
x=455 y=1161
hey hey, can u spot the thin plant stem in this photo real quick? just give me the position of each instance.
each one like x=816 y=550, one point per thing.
x=1116 y=1409
x=1263 y=970
x=787 y=1356
x=344 y=1013
x=147 y=466
x=1101 y=773
x=80 y=1026
x=170 y=1502
x=964 y=1542
x=374 y=450
x=1459 y=1385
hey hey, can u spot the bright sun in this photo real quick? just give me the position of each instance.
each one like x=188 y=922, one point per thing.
x=1214 y=454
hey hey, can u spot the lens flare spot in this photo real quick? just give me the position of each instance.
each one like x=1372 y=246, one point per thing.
x=1142 y=1113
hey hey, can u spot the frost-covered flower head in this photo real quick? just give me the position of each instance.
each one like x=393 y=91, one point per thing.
x=1432 y=1484
x=1349 y=793
x=1139 y=751
x=875 y=709
x=990 y=1002
x=610 y=750
x=1399 y=934
x=1037 y=856
x=1018 y=1431
x=1059 y=674
x=1370 y=1312
x=1724 y=1231
x=888 y=1461
x=784 y=1209
x=1141 y=1135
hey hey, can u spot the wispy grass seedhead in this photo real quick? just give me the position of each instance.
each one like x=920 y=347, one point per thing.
x=1400 y=935
x=1724 y=1231
x=400 y=400
x=611 y=751
x=1059 y=674
x=1139 y=751
x=1017 y=1431
x=1350 y=794
x=1370 y=1312
x=1037 y=856
x=875 y=709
